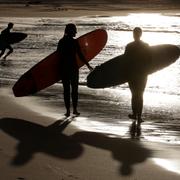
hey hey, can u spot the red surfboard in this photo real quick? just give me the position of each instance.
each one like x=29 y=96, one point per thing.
x=46 y=72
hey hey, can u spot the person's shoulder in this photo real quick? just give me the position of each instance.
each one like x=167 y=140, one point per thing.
x=130 y=44
x=144 y=43
x=6 y=29
x=3 y=31
x=62 y=39
x=61 y=42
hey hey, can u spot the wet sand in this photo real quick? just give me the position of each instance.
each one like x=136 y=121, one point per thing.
x=36 y=145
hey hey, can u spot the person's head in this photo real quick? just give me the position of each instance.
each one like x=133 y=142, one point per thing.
x=137 y=32
x=71 y=30
x=10 y=25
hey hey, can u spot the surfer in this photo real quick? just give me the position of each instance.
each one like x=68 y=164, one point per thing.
x=4 y=37
x=138 y=54
x=68 y=48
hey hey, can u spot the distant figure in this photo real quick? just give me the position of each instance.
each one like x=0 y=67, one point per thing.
x=138 y=54
x=68 y=48
x=4 y=37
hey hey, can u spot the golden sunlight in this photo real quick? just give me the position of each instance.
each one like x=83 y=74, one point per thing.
x=147 y=18
x=170 y=165
x=157 y=27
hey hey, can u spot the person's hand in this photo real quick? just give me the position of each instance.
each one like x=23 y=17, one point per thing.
x=90 y=68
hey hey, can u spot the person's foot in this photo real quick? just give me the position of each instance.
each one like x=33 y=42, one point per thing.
x=138 y=130
x=132 y=116
x=140 y=120
x=67 y=114
x=4 y=58
x=76 y=113
x=3 y=62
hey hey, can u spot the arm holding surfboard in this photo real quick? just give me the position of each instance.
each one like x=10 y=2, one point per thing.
x=82 y=58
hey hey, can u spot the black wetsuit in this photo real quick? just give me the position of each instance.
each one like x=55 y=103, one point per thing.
x=68 y=49
x=138 y=55
x=5 y=38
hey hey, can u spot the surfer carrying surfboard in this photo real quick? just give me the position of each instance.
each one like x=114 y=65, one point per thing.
x=68 y=49
x=4 y=37
x=138 y=55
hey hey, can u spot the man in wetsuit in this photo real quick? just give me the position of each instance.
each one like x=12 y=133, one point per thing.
x=4 y=37
x=68 y=48
x=138 y=55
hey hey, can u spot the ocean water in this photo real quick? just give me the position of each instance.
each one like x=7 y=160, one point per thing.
x=110 y=106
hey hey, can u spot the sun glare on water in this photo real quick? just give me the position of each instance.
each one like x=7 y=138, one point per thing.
x=157 y=29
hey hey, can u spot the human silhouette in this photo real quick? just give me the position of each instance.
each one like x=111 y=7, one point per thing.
x=138 y=55
x=4 y=37
x=68 y=48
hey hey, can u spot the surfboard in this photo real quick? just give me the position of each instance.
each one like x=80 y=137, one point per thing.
x=14 y=37
x=46 y=72
x=116 y=70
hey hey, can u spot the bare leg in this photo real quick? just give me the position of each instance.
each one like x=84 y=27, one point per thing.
x=9 y=52
x=74 y=85
x=66 y=86
x=137 y=87
x=2 y=52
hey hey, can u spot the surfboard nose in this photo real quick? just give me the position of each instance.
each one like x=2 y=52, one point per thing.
x=179 y=49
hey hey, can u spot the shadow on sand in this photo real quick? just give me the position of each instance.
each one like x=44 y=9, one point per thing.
x=35 y=138
x=125 y=151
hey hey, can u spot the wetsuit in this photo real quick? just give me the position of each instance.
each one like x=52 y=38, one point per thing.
x=138 y=55
x=4 y=37
x=68 y=49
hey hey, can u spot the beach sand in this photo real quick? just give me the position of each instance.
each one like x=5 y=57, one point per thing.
x=35 y=145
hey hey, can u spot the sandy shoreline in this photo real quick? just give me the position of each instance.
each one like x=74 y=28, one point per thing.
x=34 y=146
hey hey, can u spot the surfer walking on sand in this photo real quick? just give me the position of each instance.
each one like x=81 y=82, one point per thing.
x=68 y=48
x=138 y=54
x=4 y=37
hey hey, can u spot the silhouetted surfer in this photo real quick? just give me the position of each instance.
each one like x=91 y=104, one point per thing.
x=4 y=37
x=68 y=47
x=138 y=54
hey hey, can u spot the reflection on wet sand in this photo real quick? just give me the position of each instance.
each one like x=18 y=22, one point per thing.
x=135 y=130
